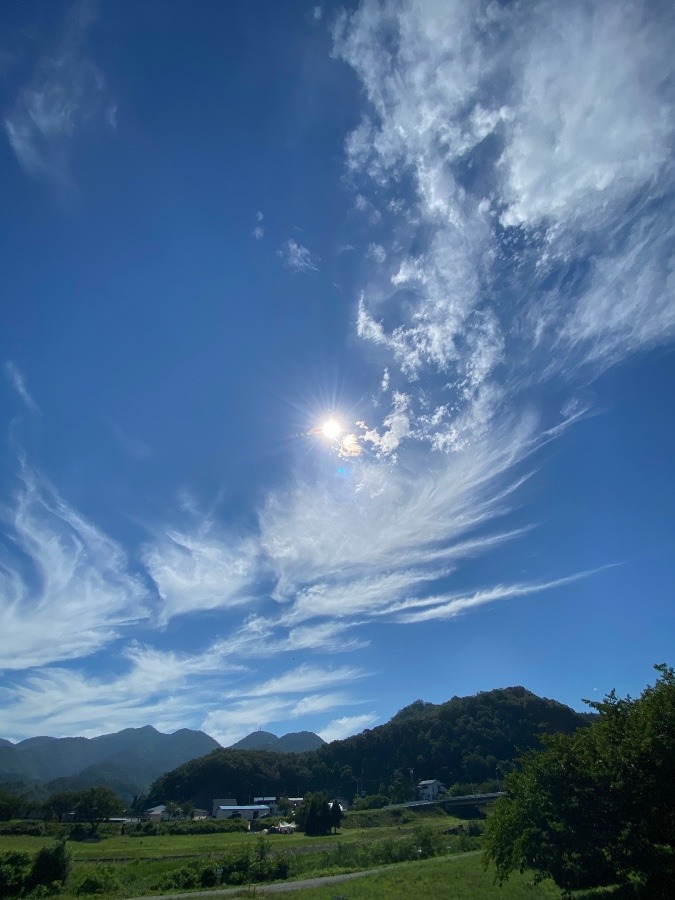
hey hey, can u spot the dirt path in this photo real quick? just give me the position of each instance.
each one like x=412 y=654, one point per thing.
x=261 y=890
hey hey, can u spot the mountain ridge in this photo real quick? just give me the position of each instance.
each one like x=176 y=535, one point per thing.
x=293 y=742
x=132 y=757
x=465 y=742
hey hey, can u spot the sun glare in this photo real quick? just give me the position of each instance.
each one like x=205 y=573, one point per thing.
x=331 y=429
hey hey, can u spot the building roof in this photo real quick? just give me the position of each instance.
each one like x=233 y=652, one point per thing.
x=429 y=781
x=252 y=806
x=154 y=810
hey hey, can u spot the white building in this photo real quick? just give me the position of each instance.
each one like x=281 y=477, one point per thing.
x=430 y=789
x=254 y=811
x=229 y=801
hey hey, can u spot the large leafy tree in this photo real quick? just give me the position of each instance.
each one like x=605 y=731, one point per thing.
x=597 y=807
x=313 y=814
x=96 y=804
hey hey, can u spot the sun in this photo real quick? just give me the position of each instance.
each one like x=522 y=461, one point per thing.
x=331 y=429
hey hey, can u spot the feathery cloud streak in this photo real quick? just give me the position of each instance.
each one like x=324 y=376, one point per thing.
x=66 y=99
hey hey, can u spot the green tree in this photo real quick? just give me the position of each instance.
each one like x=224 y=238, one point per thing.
x=313 y=814
x=11 y=805
x=61 y=804
x=597 y=807
x=96 y=804
x=284 y=806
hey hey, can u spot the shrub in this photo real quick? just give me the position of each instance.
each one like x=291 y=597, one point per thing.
x=373 y=801
x=103 y=880
x=51 y=864
x=14 y=869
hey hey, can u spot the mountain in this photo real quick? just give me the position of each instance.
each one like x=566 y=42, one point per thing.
x=293 y=742
x=465 y=741
x=128 y=759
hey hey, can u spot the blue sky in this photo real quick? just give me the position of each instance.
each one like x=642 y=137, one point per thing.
x=337 y=361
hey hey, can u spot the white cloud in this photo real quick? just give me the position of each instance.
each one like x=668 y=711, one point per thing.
x=234 y=721
x=346 y=726
x=19 y=383
x=516 y=118
x=201 y=571
x=69 y=590
x=297 y=257
x=589 y=125
x=65 y=99
x=302 y=679
x=451 y=605
x=377 y=252
x=258 y=233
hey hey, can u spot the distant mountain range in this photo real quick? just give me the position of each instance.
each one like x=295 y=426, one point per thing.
x=127 y=760
x=294 y=742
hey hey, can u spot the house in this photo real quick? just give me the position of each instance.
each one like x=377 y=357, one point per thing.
x=155 y=813
x=430 y=789
x=268 y=801
x=230 y=801
x=200 y=814
x=254 y=811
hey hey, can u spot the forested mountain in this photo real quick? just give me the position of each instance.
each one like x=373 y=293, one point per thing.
x=293 y=742
x=127 y=760
x=468 y=740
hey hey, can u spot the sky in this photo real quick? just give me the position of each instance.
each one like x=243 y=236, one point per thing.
x=336 y=356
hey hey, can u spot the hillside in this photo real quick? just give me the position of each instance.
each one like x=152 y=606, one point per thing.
x=467 y=740
x=293 y=742
x=126 y=760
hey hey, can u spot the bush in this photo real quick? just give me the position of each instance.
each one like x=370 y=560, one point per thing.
x=200 y=826
x=51 y=864
x=373 y=801
x=103 y=880
x=429 y=841
x=14 y=869
x=187 y=877
x=209 y=877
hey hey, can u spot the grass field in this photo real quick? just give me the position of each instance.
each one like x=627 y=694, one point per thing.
x=461 y=878
x=122 y=866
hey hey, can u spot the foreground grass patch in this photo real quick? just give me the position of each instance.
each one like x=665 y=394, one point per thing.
x=459 y=877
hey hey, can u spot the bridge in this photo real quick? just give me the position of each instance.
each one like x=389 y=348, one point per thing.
x=449 y=803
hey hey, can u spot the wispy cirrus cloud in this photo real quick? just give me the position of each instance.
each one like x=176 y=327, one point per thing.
x=66 y=589
x=65 y=99
x=202 y=571
x=297 y=258
x=239 y=718
x=18 y=382
x=450 y=605
x=301 y=680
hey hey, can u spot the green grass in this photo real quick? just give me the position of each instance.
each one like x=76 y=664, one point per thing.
x=460 y=877
x=135 y=866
